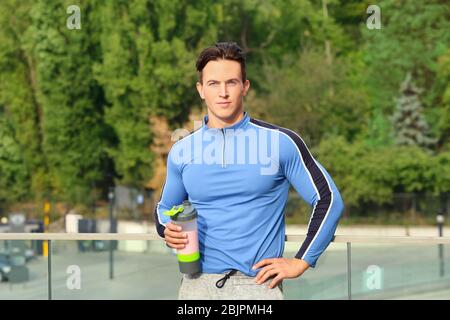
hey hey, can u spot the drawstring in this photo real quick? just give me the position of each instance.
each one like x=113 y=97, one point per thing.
x=220 y=283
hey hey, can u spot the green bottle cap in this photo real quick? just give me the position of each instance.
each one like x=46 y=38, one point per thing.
x=174 y=211
x=184 y=212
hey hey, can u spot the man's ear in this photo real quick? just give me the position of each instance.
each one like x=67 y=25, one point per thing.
x=246 y=87
x=200 y=90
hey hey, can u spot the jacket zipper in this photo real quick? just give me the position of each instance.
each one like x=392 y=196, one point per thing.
x=223 y=151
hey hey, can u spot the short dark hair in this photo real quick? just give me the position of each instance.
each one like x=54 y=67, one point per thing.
x=222 y=50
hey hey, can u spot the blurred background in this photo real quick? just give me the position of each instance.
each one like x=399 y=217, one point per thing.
x=88 y=103
x=89 y=107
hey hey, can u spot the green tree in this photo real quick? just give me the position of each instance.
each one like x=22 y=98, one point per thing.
x=442 y=92
x=365 y=175
x=14 y=176
x=148 y=68
x=296 y=95
x=75 y=136
x=18 y=99
x=413 y=35
x=410 y=126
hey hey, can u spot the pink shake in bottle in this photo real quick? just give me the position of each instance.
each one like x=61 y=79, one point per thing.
x=186 y=217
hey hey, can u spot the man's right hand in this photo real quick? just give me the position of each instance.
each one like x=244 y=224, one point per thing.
x=174 y=237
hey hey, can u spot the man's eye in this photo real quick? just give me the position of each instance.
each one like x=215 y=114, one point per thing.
x=213 y=84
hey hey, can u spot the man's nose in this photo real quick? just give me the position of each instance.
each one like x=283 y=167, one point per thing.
x=223 y=90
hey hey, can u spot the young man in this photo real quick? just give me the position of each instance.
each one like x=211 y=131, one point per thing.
x=241 y=199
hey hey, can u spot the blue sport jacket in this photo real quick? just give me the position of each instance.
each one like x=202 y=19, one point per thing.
x=238 y=179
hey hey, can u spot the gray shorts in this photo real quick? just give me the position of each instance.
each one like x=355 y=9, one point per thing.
x=202 y=286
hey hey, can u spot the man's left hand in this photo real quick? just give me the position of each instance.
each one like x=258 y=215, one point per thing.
x=282 y=268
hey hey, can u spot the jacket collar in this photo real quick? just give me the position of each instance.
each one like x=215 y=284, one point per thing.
x=238 y=125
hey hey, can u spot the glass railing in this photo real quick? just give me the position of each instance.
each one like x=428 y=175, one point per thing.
x=22 y=274
x=400 y=271
x=141 y=266
x=328 y=280
x=135 y=269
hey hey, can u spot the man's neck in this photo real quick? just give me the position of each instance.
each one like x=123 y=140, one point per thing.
x=218 y=123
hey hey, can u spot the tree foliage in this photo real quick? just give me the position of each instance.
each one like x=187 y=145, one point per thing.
x=410 y=125
x=76 y=104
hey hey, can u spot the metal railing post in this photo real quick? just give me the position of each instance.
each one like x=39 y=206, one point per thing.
x=111 y=230
x=349 y=270
x=440 y=219
x=49 y=270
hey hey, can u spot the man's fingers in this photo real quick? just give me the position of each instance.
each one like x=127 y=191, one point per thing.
x=175 y=240
x=263 y=271
x=263 y=263
x=174 y=231
x=175 y=246
x=173 y=227
x=175 y=234
x=275 y=281
x=267 y=275
x=175 y=243
x=174 y=237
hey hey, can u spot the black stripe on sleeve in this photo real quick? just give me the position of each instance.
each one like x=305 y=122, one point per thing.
x=159 y=227
x=322 y=206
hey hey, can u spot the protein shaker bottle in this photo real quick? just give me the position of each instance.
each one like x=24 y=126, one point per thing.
x=185 y=216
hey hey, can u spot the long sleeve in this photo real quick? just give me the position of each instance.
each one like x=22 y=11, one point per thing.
x=173 y=193
x=315 y=186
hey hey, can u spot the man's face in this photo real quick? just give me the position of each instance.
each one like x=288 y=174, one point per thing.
x=223 y=89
